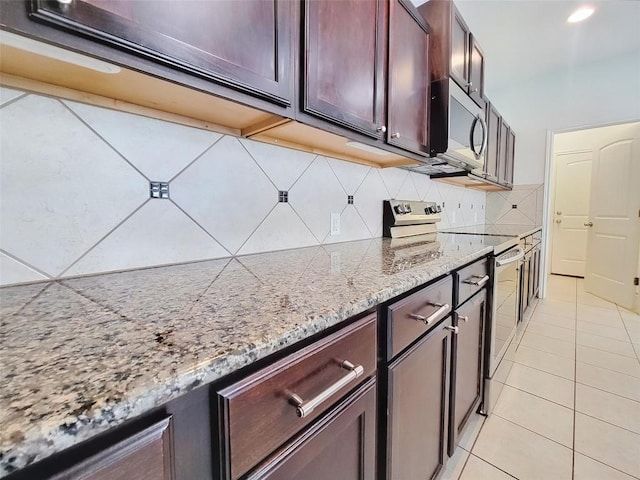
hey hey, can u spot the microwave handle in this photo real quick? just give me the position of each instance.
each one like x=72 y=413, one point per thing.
x=483 y=147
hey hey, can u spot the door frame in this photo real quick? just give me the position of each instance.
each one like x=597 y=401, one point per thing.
x=549 y=191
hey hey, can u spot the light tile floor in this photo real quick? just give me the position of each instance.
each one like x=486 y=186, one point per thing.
x=570 y=408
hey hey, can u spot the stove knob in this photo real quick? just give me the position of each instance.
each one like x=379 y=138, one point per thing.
x=438 y=209
x=399 y=209
x=407 y=208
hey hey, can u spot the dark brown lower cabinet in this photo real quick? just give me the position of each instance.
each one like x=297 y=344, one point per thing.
x=147 y=455
x=418 y=396
x=340 y=446
x=466 y=364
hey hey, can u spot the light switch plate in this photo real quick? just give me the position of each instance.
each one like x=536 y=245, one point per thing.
x=335 y=224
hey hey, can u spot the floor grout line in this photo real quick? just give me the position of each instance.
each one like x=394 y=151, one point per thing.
x=575 y=381
x=537 y=395
x=575 y=392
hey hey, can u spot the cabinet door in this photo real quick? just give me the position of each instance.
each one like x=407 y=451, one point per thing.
x=459 y=50
x=344 y=65
x=341 y=446
x=493 y=126
x=511 y=151
x=536 y=271
x=418 y=396
x=502 y=151
x=246 y=45
x=476 y=73
x=147 y=455
x=466 y=370
x=409 y=84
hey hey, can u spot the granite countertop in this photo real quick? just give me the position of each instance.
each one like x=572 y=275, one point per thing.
x=82 y=355
x=503 y=230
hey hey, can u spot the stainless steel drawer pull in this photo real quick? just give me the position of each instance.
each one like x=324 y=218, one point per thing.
x=463 y=318
x=305 y=407
x=477 y=283
x=453 y=329
x=437 y=315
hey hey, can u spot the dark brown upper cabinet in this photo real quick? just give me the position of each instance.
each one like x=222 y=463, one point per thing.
x=409 y=84
x=245 y=45
x=493 y=127
x=459 y=50
x=511 y=152
x=455 y=52
x=503 y=152
x=475 y=89
x=344 y=63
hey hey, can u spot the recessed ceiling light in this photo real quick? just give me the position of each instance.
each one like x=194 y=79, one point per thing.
x=580 y=14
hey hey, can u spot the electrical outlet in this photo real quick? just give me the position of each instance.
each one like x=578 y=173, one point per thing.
x=335 y=224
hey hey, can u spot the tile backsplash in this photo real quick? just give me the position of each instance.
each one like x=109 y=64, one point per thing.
x=76 y=193
x=521 y=206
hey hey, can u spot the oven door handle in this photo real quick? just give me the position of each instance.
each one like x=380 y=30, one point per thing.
x=507 y=261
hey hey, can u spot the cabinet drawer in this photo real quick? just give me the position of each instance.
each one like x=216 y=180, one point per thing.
x=471 y=279
x=415 y=315
x=258 y=414
x=146 y=455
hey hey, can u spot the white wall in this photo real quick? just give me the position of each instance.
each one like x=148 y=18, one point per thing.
x=595 y=94
x=75 y=193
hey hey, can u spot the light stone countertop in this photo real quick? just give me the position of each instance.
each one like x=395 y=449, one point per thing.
x=502 y=230
x=80 y=356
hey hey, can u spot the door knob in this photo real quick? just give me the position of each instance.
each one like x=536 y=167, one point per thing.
x=381 y=129
x=588 y=224
x=559 y=220
x=395 y=135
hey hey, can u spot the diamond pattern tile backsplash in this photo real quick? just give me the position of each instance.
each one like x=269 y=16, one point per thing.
x=521 y=206
x=75 y=193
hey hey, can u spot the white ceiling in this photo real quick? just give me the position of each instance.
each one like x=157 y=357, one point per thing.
x=523 y=39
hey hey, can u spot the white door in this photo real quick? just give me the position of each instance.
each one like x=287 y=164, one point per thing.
x=614 y=237
x=571 y=211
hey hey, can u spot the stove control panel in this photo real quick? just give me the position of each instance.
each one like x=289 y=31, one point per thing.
x=403 y=218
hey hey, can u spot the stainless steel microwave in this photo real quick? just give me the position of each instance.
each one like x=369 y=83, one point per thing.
x=459 y=131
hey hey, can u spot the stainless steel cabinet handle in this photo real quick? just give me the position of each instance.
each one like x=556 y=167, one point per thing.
x=463 y=318
x=305 y=407
x=395 y=135
x=437 y=315
x=381 y=129
x=474 y=90
x=507 y=261
x=477 y=283
x=453 y=329
x=588 y=224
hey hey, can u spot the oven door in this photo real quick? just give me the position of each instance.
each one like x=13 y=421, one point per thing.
x=506 y=304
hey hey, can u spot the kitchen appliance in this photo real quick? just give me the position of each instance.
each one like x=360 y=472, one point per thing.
x=458 y=133
x=505 y=302
x=504 y=319
x=406 y=218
